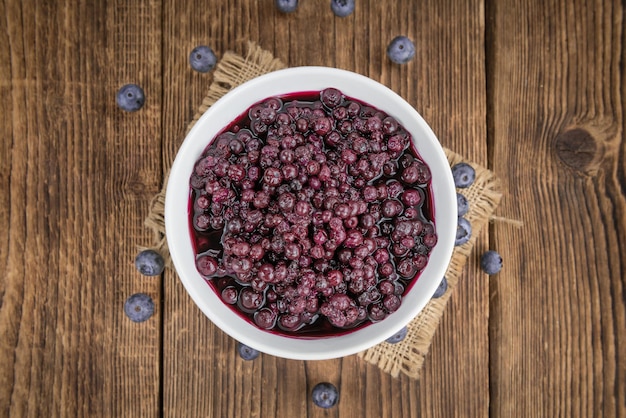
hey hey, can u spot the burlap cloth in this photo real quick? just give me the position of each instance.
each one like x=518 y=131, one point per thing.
x=408 y=355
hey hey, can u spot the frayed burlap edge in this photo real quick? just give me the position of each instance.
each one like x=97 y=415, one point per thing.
x=408 y=355
x=234 y=70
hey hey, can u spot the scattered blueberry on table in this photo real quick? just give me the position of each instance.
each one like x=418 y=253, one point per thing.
x=491 y=262
x=401 y=50
x=463 y=174
x=398 y=336
x=463 y=231
x=139 y=307
x=202 y=59
x=342 y=8
x=462 y=204
x=130 y=97
x=149 y=263
x=441 y=289
x=287 y=6
x=325 y=395
x=247 y=353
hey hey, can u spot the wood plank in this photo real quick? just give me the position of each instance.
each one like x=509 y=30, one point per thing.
x=81 y=175
x=446 y=82
x=558 y=316
x=134 y=163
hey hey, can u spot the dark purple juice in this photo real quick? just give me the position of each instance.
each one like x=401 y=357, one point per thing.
x=311 y=214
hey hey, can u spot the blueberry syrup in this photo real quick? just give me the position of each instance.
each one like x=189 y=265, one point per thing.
x=311 y=214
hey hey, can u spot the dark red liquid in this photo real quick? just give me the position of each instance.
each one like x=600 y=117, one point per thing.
x=211 y=241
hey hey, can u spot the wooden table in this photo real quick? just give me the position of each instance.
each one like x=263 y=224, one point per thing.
x=533 y=90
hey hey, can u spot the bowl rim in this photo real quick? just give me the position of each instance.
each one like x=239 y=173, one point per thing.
x=196 y=140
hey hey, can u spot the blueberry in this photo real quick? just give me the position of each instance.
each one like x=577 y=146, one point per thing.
x=130 y=97
x=149 y=263
x=441 y=289
x=462 y=204
x=325 y=395
x=342 y=8
x=139 y=307
x=491 y=262
x=463 y=231
x=463 y=174
x=398 y=336
x=202 y=59
x=287 y=6
x=247 y=353
x=401 y=50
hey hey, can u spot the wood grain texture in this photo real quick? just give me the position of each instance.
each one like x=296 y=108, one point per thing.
x=133 y=175
x=202 y=373
x=81 y=174
x=533 y=90
x=557 y=321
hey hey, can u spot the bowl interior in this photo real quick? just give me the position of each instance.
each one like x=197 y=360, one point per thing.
x=231 y=106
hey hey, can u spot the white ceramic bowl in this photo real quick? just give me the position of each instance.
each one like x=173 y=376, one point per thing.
x=227 y=109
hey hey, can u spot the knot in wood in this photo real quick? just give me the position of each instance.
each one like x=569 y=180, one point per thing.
x=578 y=149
